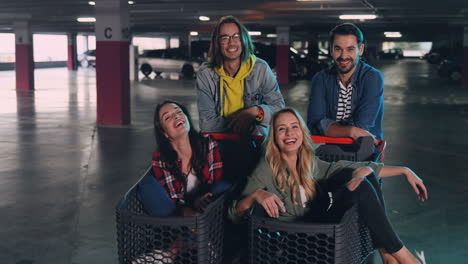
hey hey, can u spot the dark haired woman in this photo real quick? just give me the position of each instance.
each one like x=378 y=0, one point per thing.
x=188 y=171
x=291 y=183
x=186 y=164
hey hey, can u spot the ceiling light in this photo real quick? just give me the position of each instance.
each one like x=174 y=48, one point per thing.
x=272 y=35
x=358 y=17
x=255 y=33
x=131 y=2
x=91 y=3
x=193 y=33
x=86 y=19
x=204 y=18
x=392 y=34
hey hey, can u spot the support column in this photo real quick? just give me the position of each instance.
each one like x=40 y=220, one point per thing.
x=168 y=42
x=184 y=43
x=24 y=61
x=282 y=54
x=112 y=62
x=72 y=62
x=465 y=56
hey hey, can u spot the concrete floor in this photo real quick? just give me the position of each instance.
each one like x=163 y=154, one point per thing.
x=61 y=175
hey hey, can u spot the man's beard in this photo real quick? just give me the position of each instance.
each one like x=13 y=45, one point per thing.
x=354 y=63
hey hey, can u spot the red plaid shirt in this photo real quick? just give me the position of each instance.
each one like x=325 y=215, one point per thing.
x=212 y=172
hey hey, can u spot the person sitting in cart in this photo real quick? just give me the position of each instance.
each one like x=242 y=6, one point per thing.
x=290 y=183
x=186 y=164
x=188 y=173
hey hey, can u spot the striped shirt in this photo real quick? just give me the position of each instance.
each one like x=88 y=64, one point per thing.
x=343 y=111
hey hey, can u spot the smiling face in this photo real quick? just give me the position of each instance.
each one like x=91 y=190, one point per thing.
x=288 y=133
x=173 y=121
x=232 y=49
x=346 y=53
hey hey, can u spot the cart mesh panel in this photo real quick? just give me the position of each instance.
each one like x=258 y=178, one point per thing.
x=146 y=239
x=273 y=241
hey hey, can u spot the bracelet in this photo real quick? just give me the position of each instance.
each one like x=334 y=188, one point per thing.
x=260 y=115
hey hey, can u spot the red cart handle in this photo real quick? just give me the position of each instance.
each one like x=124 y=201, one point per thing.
x=381 y=144
x=316 y=139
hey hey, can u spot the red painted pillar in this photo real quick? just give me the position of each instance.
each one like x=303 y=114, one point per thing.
x=168 y=42
x=282 y=54
x=112 y=63
x=72 y=62
x=465 y=57
x=24 y=62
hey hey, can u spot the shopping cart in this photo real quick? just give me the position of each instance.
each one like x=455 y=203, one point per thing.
x=149 y=239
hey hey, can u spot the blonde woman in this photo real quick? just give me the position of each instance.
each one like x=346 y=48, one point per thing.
x=291 y=183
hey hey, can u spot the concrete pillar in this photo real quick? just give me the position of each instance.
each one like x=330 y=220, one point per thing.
x=112 y=62
x=465 y=56
x=282 y=54
x=168 y=42
x=72 y=62
x=24 y=61
x=86 y=46
x=184 y=43
x=133 y=63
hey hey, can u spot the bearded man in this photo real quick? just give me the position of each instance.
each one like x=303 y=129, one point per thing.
x=346 y=100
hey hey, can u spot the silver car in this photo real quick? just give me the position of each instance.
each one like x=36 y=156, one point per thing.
x=87 y=58
x=167 y=60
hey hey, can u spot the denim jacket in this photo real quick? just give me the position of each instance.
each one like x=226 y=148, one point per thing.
x=366 y=103
x=260 y=89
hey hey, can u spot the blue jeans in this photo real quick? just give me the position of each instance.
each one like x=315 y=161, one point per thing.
x=156 y=200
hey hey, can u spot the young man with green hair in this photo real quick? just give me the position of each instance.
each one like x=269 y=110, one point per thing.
x=237 y=92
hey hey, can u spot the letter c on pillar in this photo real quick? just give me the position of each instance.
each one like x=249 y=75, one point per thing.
x=108 y=33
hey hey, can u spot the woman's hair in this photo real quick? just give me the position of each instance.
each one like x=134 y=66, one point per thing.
x=169 y=155
x=215 y=58
x=305 y=160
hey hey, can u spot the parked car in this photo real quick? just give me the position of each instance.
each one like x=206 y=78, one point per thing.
x=300 y=64
x=167 y=60
x=395 y=53
x=87 y=58
x=451 y=69
x=437 y=55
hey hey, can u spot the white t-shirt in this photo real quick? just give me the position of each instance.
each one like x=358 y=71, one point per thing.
x=303 y=196
x=192 y=182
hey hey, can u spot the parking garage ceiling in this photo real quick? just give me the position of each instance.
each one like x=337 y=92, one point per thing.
x=182 y=15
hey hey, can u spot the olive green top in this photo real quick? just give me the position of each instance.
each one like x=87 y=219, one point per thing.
x=262 y=178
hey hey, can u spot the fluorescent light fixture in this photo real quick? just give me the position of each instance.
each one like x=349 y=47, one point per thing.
x=91 y=3
x=393 y=34
x=86 y=19
x=272 y=35
x=204 y=18
x=293 y=50
x=131 y=2
x=255 y=33
x=358 y=17
x=193 y=33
